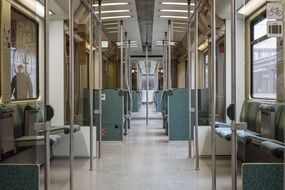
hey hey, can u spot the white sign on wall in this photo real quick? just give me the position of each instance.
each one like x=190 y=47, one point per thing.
x=274 y=11
x=275 y=29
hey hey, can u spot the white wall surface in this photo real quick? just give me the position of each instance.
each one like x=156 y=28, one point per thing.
x=56 y=70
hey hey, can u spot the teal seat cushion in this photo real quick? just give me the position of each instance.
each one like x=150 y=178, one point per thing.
x=5 y=109
x=220 y=124
x=277 y=150
x=224 y=132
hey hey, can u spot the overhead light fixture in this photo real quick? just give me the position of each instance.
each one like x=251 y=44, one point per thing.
x=110 y=23
x=250 y=6
x=173 y=10
x=178 y=17
x=112 y=32
x=114 y=11
x=40 y=9
x=178 y=31
x=203 y=45
x=176 y=3
x=179 y=23
x=116 y=17
x=111 y=28
x=112 y=4
x=179 y=27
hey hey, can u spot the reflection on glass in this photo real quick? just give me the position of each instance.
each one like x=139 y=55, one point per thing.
x=24 y=57
x=206 y=61
x=260 y=29
x=264 y=69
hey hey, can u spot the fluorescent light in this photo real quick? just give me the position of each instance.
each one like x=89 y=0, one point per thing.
x=250 y=7
x=172 y=10
x=110 y=23
x=179 y=31
x=179 y=17
x=179 y=27
x=114 y=11
x=112 y=32
x=112 y=4
x=111 y=28
x=179 y=23
x=203 y=45
x=40 y=9
x=176 y=3
x=116 y=17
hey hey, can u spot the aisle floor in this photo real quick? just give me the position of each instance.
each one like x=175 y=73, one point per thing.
x=144 y=161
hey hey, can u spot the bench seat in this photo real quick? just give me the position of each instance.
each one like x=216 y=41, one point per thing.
x=25 y=141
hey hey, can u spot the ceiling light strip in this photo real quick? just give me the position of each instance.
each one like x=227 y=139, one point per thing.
x=112 y=4
x=116 y=17
x=172 y=16
x=114 y=11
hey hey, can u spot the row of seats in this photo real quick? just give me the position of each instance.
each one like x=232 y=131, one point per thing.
x=22 y=133
x=253 y=145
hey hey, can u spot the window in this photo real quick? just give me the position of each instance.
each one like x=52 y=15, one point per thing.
x=24 y=57
x=263 y=61
x=206 y=69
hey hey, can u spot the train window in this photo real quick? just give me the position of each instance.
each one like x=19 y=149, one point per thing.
x=206 y=69
x=24 y=57
x=263 y=61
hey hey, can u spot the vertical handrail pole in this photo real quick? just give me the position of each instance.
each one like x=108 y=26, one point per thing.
x=100 y=79
x=169 y=54
x=91 y=109
x=121 y=57
x=196 y=88
x=213 y=87
x=71 y=92
x=189 y=82
x=130 y=80
x=126 y=81
x=45 y=98
x=233 y=124
x=147 y=80
x=166 y=60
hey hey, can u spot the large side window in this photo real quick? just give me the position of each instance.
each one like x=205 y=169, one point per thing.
x=24 y=57
x=263 y=61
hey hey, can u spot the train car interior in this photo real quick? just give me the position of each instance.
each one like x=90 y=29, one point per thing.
x=142 y=94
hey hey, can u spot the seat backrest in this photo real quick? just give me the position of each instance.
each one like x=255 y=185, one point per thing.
x=249 y=114
x=19 y=130
x=280 y=123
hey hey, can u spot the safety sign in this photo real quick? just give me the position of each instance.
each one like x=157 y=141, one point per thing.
x=275 y=29
x=274 y=11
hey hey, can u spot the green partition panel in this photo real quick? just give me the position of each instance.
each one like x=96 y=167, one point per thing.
x=18 y=176
x=263 y=176
x=178 y=115
x=136 y=96
x=158 y=98
x=112 y=113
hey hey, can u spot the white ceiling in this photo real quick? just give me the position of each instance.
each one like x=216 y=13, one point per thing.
x=131 y=25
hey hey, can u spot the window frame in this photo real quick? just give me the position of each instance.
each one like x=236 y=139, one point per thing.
x=253 y=42
x=22 y=13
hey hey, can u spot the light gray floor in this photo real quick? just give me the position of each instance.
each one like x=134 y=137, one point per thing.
x=145 y=160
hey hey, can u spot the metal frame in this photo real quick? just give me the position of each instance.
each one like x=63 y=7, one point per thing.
x=91 y=94
x=189 y=83
x=169 y=54
x=100 y=80
x=46 y=98
x=126 y=79
x=213 y=91
x=233 y=98
x=71 y=90
x=147 y=80
x=196 y=88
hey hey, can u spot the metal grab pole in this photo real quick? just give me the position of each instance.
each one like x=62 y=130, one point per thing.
x=71 y=92
x=196 y=89
x=233 y=125
x=91 y=109
x=189 y=83
x=130 y=80
x=166 y=62
x=213 y=86
x=122 y=57
x=45 y=98
x=169 y=55
x=147 y=81
x=100 y=80
x=126 y=79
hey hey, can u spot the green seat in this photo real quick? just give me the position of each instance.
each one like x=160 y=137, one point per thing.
x=19 y=176
x=36 y=140
x=275 y=149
